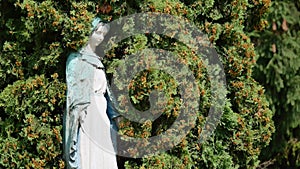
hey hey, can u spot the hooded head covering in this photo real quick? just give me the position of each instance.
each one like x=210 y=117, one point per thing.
x=99 y=30
x=95 y=23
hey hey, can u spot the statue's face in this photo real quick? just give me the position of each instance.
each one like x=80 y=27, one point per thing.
x=98 y=35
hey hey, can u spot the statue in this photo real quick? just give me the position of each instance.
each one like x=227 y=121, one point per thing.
x=89 y=116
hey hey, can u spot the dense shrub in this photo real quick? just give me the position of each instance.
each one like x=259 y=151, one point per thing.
x=31 y=123
x=38 y=35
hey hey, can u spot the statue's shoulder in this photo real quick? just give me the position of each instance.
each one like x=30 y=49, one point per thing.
x=73 y=57
x=73 y=63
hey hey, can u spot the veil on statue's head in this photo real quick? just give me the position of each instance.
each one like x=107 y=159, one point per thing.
x=96 y=21
x=99 y=27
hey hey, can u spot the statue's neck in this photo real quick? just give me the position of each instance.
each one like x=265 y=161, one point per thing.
x=89 y=49
x=88 y=52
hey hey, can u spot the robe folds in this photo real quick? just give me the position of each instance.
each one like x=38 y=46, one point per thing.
x=83 y=101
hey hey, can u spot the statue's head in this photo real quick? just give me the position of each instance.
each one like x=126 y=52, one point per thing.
x=100 y=29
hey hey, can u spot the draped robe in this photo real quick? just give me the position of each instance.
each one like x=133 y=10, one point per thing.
x=79 y=75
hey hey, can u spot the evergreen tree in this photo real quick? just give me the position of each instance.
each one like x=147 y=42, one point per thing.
x=278 y=69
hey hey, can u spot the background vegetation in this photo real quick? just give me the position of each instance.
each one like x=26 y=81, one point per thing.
x=37 y=35
x=278 y=70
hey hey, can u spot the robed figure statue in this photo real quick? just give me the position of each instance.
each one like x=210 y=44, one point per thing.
x=89 y=115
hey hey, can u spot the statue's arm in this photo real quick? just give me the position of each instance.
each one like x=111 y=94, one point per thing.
x=78 y=82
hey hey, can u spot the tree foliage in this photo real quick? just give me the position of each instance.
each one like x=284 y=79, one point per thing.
x=278 y=69
x=38 y=35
